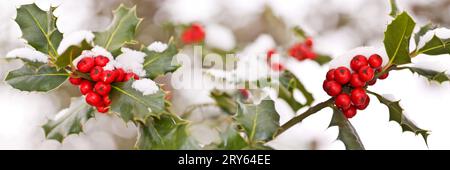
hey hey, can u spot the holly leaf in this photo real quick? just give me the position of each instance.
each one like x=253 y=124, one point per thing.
x=71 y=53
x=121 y=31
x=397 y=37
x=39 y=28
x=225 y=102
x=131 y=104
x=396 y=114
x=231 y=139
x=394 y=9
x=259 y=122
x=167 y=132
x=422 y=31
x=431 y=75
x=322 y=59
x=299 y=32
x=35 y=76
x=69 y=121
x=347 y=133
x=435 y=46
x=157 y=64
x=288 y=83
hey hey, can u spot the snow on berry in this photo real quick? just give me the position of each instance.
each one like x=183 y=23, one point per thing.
x=345 y=58
x=131 y=61
x=94 y=52
x=146 y=86
x=74 y=38
x=29 y=54
x=157 y=46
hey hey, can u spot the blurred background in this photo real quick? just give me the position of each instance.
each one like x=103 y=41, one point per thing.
x=336 y=26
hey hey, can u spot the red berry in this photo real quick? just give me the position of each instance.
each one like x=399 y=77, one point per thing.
x=75 y=80
x=364 y=106
x=101 y=61
x=102 y=109
x=270 y=53
x=86 y=64
x=332 y=87
x=96 y=72
x=356 y=82
x=359 y=96
x=245 y=93
x=120 y=74
x=277 y=67
x=298 y=51
x=310 y=55
x=193 y=34
x=372 y=82
x=342 y=75
x=375 y=61
x=384 y=76
x=102 y=88
x=106 y=100
x=366 y=73
x=128 y=76
x=343 y=101
x=309 y=42
x=85 y=87
x=357 y=62
x=108 y=76
x=330 y=74
x=94 y=99
x=350 y=112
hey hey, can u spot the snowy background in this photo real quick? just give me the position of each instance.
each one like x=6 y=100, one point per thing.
x=337 y=26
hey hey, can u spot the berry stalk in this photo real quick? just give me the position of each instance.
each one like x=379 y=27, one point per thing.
x=307 y=113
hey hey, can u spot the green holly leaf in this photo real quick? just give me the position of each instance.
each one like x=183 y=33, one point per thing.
x=225 y=102
x=422 y=31
x=259 y=122
x=431 y=75
x=69 y=121
x=121 y=31
x=71 y=53
x=299 y=32
x=131 y=104
x=347 y=133
x=39 y=28
x=322 y=59
x=435 y=46
x=397 y=37
x=35 y=76
x=288 y=83
x=396 y=114
x=167 y=132
x=157 y=64
x=394 y=9
x=231 y=139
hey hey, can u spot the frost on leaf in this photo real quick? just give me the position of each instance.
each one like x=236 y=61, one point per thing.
x=28 y=54
x=146 y=86
x=131 y=61
x=157 y=46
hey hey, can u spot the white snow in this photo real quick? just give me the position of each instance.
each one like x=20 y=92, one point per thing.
x=131 y=61
x=157 y=46
x=442 y=33
x=29 y=54
x=74 y=38
x=344 y=59
x=261 y=45
x=218 y=36
x=146 y=86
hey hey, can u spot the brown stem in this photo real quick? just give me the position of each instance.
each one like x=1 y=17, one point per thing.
x=304 y=115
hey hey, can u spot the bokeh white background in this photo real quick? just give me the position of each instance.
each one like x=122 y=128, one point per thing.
x=337 y=26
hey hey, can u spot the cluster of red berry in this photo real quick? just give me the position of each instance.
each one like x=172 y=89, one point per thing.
x=98 y=87
x=193 y=34
x=349 y=88
x=302 y=51
x=299 y=51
